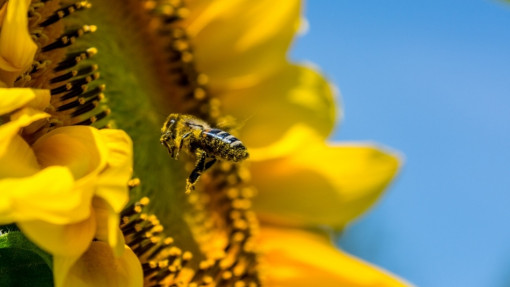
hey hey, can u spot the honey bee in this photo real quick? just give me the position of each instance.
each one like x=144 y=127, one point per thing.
x=195 y=136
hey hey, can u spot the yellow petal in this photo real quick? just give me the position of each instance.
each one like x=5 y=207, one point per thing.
x=107 y=228
x=17 y=49
x=241 y=40
x=112 y=182
x=61 y=267
x=298 y=258
x=48 y=195
x=63 y=240
x=85 y=151
x=293 y=95
x=14 y=98
x=321 y=184
x=99 y=268
x=16 y=157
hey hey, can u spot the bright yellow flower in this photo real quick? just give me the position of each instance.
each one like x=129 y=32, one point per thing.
x=299 y=258
x=63 y=187
x=71 y=181
x=212 y=59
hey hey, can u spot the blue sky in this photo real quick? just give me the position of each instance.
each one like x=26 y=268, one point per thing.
x=430 y=79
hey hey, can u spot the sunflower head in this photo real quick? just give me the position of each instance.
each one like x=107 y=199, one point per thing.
x=85 y=89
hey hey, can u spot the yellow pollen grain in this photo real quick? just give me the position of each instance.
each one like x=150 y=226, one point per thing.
x=178 y=33
x=150 y=5
x=181 y=45
x=249 y=246
x=207 y=279
x=199 y=94
x=91 y=51
x=239 y=284
x=233 y=193
x=153 y=264
x=240 y=224
x=183 y=12
x=136 y=182
x=163 y=263
x=203 y=265
x=187 y=256
x=238 y=237
x=175 y=251
x=153 y=218
x=186 y=57
x=244 y=174
x=239 y=269
x=226 y=275
x=241 y=204
x=235 y=214
x=158 y=228
x=202 y=79
x=168 y=241
x=248 y=192
x=168 y=10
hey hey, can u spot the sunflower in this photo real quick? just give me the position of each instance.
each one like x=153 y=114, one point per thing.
x=86 y=88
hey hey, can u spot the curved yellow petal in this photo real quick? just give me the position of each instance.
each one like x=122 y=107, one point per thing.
x=293 y=95
x=14 y=98
x=296 y=258
x=17 y=49
x=61 y=240
x=20 y=119
x=107 y=228
x=98 y=267
x=16 y=157
x=61 y=267
x=321 y=184
x=85 y=151
x=48 y=195
x=112 y=182
x=241 y=40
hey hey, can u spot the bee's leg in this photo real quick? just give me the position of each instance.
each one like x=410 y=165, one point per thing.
x=181 y=142
x=209 y=164
x=200 y=167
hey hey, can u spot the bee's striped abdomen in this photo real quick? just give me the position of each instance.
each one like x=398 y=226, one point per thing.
x=224 y=145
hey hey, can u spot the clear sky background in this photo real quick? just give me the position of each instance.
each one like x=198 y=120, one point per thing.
x=430 y=79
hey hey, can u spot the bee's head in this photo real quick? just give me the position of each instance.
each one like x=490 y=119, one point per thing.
x=170 y=123
x=168 y=135
x=168 y=140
